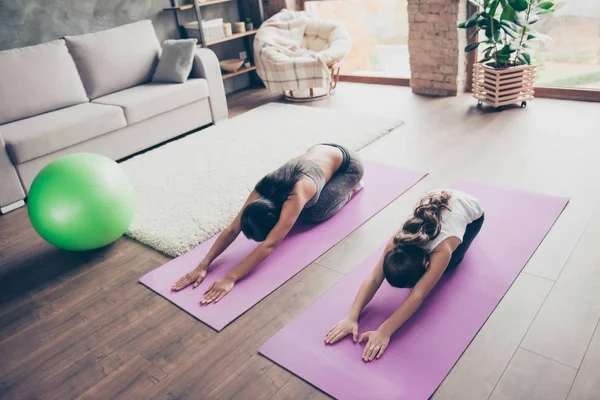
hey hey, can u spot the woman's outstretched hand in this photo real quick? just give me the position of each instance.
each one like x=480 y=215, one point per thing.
x=217 y=290
x=195 y=277
x=342 y=329
x=377 y=342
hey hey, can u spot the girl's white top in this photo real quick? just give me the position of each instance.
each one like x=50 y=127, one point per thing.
x=464 y=209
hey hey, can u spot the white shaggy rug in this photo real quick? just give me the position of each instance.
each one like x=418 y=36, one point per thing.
x=190 y=189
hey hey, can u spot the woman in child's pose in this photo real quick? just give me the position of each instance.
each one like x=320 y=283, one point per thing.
x=312 y=187
x=432 y=241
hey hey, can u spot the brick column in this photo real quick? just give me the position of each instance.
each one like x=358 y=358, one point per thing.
x=436 y=46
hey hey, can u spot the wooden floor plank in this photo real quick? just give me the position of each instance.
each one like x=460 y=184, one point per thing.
x=181 y=337
x=566 y=322
x=587 y=382
x=131 y=381
x=168 y=336
x=13 y=223
x=79 y=309
x=82 y=289
x=257 y=379
x=530 y=376
x=296 y=388
x=40 y=362
x=584 y=192
x=44 y=268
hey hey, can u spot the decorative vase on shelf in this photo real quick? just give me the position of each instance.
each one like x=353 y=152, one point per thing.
x=240 y=27
x=231 y=65
x=249 y=25
x=227 y=29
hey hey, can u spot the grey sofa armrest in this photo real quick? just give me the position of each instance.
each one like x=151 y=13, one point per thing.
x=11 y=189
x=206 y=65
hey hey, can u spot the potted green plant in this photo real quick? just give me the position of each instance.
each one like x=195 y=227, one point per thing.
x=249 y=25
x=503 y=30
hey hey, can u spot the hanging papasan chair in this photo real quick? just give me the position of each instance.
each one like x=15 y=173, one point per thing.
x=299 y=55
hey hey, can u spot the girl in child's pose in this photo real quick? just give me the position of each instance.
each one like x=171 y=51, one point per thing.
x=433 y=240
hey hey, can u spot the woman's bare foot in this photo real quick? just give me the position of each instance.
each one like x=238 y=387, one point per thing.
x=359 y=186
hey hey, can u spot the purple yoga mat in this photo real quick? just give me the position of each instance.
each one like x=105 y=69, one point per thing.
x=304 y=244
x=424 y=350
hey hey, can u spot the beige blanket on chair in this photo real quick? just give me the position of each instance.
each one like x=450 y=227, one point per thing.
x=293 y=51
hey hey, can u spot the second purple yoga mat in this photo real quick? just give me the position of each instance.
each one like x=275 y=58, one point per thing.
x=424 y=350
x=305 y=243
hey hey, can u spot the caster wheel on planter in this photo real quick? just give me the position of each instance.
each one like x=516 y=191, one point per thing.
x=523 y=104
x=479 y=104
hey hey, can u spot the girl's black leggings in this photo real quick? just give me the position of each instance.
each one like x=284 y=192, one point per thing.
x=471 y=232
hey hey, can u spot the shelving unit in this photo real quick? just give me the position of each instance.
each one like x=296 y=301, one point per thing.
x=256 y=15
x=180 y=8
x=208 y=3
x=238 y=72
x=233 y=37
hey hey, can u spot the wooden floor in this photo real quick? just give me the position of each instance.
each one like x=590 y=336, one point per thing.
x=78 y=325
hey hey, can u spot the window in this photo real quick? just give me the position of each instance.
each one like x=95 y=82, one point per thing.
x=379 y=32
x=572 y=57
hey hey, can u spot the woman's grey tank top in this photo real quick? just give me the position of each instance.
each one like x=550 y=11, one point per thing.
x=314 y=172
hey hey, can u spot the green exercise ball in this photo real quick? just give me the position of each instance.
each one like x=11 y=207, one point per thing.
x=81 y=202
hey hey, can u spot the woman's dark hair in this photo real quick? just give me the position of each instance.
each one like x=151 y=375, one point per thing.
x=405 y=263
x=261 y=215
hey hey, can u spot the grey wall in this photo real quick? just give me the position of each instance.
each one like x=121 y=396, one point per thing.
x=29 y=22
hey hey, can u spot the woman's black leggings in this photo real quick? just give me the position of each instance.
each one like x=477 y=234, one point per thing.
x=470 y=233
x=338 y=191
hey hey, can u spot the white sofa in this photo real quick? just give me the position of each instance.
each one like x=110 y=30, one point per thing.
x=92 y=93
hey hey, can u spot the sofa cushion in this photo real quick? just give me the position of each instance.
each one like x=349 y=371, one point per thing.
x=146 y=101
x=38 y=79
x=43 y=134
x=115 y=59
x=175 y=62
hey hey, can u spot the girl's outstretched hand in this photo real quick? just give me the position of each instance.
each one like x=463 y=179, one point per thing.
x=342 y=329
x=377 y=342
x=217 y=290
x=195 y=277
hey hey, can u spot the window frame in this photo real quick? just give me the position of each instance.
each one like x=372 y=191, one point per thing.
x=548 y=92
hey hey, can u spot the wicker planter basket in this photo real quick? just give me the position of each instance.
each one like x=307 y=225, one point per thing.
x=500 y=87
